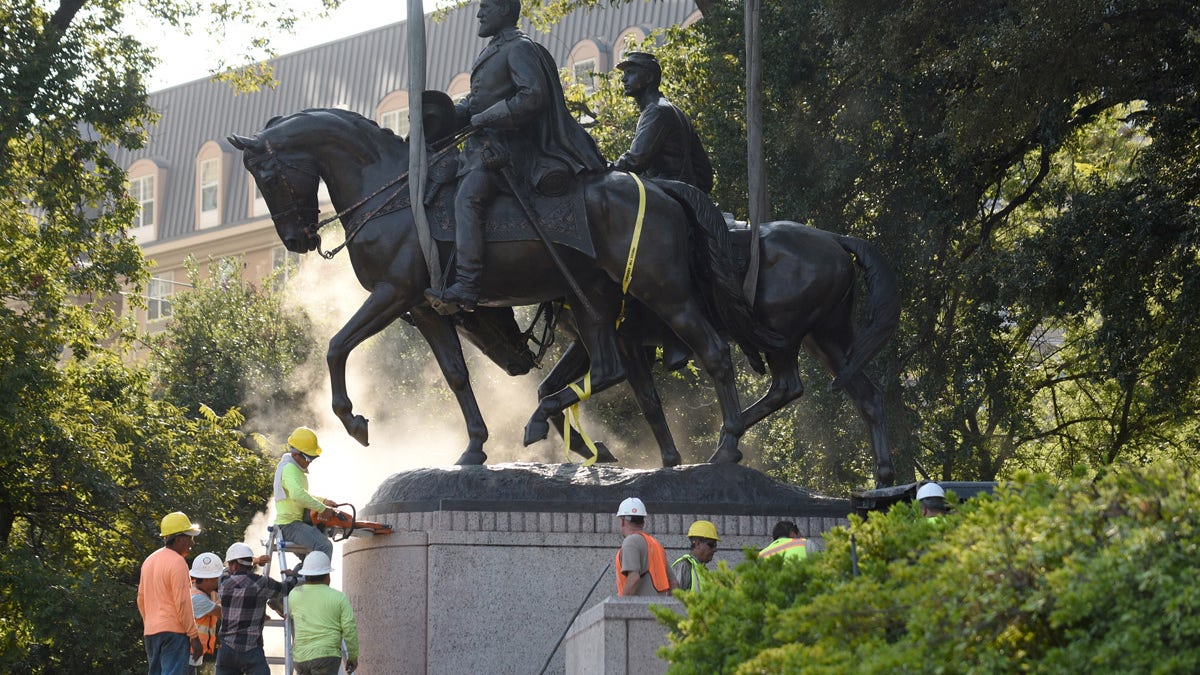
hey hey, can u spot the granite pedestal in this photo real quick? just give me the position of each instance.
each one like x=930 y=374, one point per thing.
x=488 y=565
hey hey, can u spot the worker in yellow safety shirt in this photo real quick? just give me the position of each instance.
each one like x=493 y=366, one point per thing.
x=292 y=496
x=693 y=565
x=788 y=542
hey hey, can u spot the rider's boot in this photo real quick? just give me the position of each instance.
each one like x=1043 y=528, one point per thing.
x=463 y=294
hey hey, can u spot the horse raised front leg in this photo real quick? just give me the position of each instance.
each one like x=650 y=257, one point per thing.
x=571 y=366
x=597 y=335
x=381 y=308
x=439 y=332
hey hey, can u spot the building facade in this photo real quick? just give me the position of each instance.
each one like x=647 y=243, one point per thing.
x=198 y=200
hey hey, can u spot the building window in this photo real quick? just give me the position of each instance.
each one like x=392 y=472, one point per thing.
x=142 y=191
x=585 y=74
x=396 y=120
x=158 y=296
x=144 y=181
x=210 y=191
x=258 y=205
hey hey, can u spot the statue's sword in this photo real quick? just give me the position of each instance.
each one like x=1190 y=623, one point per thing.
x=506 y=170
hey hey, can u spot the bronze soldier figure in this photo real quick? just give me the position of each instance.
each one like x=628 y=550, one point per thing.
x=664 y=145
x=517 y=105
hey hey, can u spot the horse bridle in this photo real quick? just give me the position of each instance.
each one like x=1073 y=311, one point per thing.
x=276 y=163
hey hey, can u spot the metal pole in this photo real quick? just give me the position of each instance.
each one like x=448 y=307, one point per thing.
x=756 y=168
x=416 y=139
x=573 y=617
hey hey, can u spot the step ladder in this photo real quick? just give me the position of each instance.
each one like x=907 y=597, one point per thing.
x=277 y=546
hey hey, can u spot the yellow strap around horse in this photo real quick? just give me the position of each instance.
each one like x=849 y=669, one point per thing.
x=571 y=419
x=572 y=416
x=633 y=245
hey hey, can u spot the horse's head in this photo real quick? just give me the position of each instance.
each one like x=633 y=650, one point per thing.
x=287 y=175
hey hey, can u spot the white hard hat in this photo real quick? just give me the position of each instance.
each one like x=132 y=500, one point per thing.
x=632 y=507
x=315 y=564
x=207 y=566
x=238 y=551
x=930 y=490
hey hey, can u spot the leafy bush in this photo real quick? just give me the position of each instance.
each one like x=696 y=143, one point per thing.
x=1093 y=575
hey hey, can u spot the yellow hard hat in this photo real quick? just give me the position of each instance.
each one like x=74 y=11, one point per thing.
x=177 y=523
x=304 y=440
x=703 y=528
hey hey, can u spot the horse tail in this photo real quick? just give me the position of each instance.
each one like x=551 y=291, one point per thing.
x=715 y=270
x=883 y=306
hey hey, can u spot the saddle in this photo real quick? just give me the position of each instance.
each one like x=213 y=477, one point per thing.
x=563 y=217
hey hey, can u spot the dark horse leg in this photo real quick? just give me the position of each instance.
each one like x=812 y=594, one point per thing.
x=688 y=322
x=598 y=337
x=786 y=386
x=573 y=364
x=383 y=306
x=440 y=333
x=829 y=345
x=637 y=365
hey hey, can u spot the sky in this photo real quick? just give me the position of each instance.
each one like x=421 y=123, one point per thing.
x=185 y=58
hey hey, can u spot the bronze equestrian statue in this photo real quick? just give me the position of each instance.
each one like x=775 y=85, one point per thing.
x=363 y=166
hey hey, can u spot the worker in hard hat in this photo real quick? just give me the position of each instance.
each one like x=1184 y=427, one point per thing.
x=206 y=573
x=932 y=499
x=164 y=599
x=691 y=567
x=324 y=620
x=244 y=595
x=787 y=542
x=292 y=496
x=642 y=562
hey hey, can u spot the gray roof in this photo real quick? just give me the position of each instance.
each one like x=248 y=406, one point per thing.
x=355 y=73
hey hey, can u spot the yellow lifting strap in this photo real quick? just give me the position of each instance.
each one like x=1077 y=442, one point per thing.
x=572 y=416
x=572 y=419
x=633 y=245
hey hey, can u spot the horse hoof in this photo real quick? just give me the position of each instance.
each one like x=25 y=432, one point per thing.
x=471 y=458
x=885 y=476
x=726 y=456
x=672 y=459
x=603 y=455
x=536 y=431
x=357 y=428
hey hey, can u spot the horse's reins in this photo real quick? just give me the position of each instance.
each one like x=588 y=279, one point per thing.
x=399 y=182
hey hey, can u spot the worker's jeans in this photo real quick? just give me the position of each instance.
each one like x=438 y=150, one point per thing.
x=250 y=662
x=167 y=653
x=306 y=536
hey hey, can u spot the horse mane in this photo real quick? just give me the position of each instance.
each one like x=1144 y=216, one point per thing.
x=370 y=136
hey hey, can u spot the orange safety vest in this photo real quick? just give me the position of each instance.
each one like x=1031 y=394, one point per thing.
x=206 y=627
x=657 y=559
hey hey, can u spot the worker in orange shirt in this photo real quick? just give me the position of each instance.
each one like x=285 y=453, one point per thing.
x=164 y=600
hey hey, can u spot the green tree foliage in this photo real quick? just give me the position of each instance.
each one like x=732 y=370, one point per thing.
x=1086 y=575
x=91 y=460
x=231 y=344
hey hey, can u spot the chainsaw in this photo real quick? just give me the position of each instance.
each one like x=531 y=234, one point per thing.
x=339 y=525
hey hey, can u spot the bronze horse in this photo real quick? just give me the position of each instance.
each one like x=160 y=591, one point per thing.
x=806 y=292
x=355 y=158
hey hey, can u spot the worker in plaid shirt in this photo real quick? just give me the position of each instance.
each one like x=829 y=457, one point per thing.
x=244 y=597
